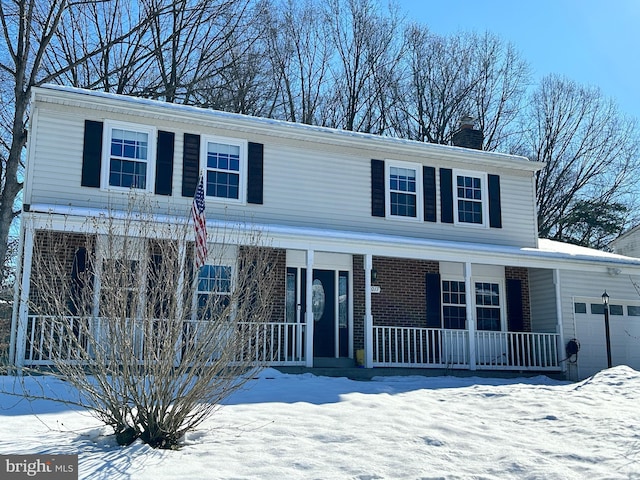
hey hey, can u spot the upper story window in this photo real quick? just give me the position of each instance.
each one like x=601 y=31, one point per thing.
x=128 y=163
x=226 y=168
x=404 y=193
x=471 y=199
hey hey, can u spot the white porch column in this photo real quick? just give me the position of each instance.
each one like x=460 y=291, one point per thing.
x=368 y=317
x=471 y=322
x=182 y=259
x=559 y=326
x=22 y=319
x=308 y=317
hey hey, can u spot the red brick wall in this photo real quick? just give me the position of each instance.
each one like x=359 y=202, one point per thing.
x=401 y=301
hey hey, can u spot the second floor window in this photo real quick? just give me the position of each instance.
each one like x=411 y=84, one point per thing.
x=225 y=165
x=130 y=153
x=404 y=190
x=470 y=198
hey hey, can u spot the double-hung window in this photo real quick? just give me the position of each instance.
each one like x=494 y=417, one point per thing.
x=225 y=168
x=213 y=291
x=129 y=156
x=454 y=304
x=488 y=306
x=471 y=198
x=404 y=190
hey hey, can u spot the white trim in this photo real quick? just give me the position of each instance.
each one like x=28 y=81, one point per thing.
x=368 y=317
x=105 y=168
x=242 y=144
x=308 y=317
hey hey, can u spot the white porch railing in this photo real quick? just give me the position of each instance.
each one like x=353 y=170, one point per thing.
x=441 y=348
x=420 y=347
x=280 y=343
x=274 y=343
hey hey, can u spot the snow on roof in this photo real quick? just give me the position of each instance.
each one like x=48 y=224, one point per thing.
x=548 y=254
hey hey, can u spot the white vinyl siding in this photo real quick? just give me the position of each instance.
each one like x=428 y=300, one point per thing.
x=543 y=301
x=306 y=184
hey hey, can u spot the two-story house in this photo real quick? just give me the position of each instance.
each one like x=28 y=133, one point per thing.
x=391 y=252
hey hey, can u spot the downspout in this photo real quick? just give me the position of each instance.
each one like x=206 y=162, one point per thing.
x=308 y=316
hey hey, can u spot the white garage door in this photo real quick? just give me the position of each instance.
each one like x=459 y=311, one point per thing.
x=624 y=330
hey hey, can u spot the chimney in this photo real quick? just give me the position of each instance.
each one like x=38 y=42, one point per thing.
x=467 y=136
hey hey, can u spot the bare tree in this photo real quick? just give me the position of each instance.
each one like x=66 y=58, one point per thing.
x=151 y=344
x=449 y=77
x=28 y=30
x=299 y=56
x=116 y=28
x=366 y=50
x=591 y=154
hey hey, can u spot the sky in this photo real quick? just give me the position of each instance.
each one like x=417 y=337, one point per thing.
x=308 y=427
x=592 y=42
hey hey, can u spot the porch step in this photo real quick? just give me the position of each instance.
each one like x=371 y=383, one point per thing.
x=329 y=362
x=360 y=373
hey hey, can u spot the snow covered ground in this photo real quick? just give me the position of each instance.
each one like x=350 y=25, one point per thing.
x=307 y=427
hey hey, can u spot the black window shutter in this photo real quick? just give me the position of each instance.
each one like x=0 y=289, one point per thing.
x=190 y=164
x=433 y=295
x=514 y=305
x=377 y=188
x=164 y=162
x=429 y=190
x=495 y=210
x=255 y=169
x=446 y=195
x=91 y=154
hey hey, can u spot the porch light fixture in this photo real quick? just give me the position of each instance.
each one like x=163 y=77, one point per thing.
x=605 y=303
x=374 y=275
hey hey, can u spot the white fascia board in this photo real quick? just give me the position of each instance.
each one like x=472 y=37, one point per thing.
x=553 y=255
x=275 y=128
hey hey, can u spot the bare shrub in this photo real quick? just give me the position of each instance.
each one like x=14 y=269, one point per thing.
x=151 y=344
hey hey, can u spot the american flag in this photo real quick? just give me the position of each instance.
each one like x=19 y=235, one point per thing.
x=200 y=224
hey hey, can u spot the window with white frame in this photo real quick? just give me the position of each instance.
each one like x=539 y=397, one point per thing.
x=404 y=190
x=488 y=314
x=225 y=167
x=213 y=290
x=129 y=156
x=471 y=198
x=454 y=308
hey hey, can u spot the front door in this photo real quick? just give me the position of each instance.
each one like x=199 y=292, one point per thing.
x=330 y=307
x=323 y=301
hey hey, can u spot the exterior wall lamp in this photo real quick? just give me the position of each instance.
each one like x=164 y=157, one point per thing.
x=605 y=303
